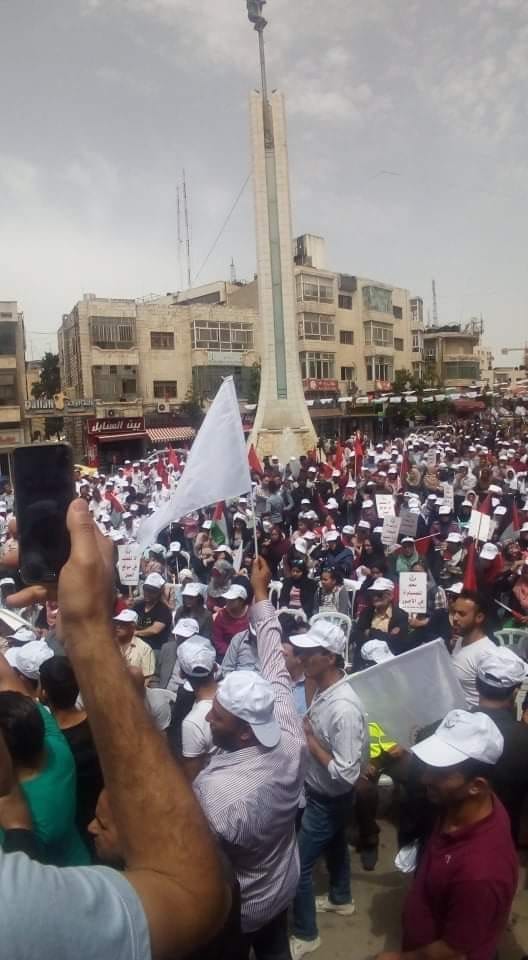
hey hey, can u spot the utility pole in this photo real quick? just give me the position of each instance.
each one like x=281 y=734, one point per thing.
x=187 y=232
x=435 y=306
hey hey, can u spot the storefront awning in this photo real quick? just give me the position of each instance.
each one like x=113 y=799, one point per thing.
x=168 y=434
x=116 y=437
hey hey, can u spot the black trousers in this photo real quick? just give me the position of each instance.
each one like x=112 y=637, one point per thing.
x=269 y=943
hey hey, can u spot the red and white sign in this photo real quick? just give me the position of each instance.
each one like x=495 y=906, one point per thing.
x=320 y=385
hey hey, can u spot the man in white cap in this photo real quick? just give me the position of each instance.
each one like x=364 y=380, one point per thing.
x=335 y=729
x=500 y=675
x=26 y=662
x=250 y=790
x=469 y=619
x=197 y=662
x=184 y=628
x=136 y=652
x=460 y=899
x=154 y=617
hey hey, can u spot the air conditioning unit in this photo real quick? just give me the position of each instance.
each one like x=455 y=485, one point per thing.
x=111 y=412
x=163 y=407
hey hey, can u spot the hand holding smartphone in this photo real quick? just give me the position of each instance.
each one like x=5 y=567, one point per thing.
x=44 y=489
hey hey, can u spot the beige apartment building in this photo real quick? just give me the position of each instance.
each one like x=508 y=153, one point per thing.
x=12 y=380
x=449 y=353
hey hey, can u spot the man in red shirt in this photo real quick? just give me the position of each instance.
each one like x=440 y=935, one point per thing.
x=232 y=618
x=460 y=900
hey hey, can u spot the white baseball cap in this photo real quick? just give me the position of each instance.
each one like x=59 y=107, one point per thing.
x=331 y=536
x=332 y=504
x=236 y=592
x=251 y=698
x=455 y=588
x=382 y=584
x=500 y=511
x=489 y=551
x=461 y=736
x=193 y=590
x=175 y=546
x=186 y=627
x=377 y=651
x=197 y=657
x=22 y=635
x=223 y=548
x=126 y=616
x=444 y=510
x=502 y=669
x=29 y=658
x=408 y=540
x=367 y=504
x=348 y=530
x=454 y=537
x=155 y=580
x=364 y=525
x=158 y=549
x=322 y=634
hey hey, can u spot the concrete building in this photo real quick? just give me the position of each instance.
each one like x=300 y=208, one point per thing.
x=12 y=380
x=449 y=353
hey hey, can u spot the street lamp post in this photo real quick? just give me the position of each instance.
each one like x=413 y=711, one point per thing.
x=255 y=8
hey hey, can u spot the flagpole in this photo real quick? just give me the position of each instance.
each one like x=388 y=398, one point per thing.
x=252 y=497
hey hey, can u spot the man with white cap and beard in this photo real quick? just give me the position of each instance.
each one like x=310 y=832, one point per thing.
x=462 y=892
x=336 y=732
x=251 y=788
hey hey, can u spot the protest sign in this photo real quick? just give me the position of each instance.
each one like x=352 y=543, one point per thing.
x=449 y=495
x=410 y=691
x=384 y=505
x=128 y=564
x=391 y=529
x=408 y=523
x=413 y=592
x=480 y=526
x=430 y=458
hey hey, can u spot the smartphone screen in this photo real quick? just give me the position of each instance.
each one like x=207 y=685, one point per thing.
x=44 y=489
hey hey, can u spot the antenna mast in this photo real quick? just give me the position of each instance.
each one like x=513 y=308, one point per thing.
x=187 y=233
x=233 y=276
x=180 y=239
x=435 y=306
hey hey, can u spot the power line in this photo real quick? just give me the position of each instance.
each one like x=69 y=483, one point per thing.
x=224 y=225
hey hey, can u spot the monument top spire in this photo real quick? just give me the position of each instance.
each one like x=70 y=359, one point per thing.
x=255 y=9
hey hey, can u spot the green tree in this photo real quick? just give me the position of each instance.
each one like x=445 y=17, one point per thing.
x=254 y=383
x=191 y=409
x=46 y=388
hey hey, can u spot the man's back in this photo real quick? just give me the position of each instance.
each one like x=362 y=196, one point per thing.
x=510 y=773
x=465 y=660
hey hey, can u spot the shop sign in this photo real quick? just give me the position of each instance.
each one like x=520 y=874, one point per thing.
x=106 y=428
x=320 y=385
x=10 y=439
x=59 y=406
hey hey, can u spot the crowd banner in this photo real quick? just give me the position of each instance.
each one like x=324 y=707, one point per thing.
x=390 y=531
x=412 y=595
x=410 y=691
x=384 y=505
x=217 y=467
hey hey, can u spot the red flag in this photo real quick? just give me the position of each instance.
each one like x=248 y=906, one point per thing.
x=254 y=463
x=470 y=573
x=485 y=506
x=422 y=545
x=358 y=454
x=516 y=518
x=405 y=465
x=173 y=458
x=327 y=470
x=339 y=456
x=116 y=505
x=162 y=471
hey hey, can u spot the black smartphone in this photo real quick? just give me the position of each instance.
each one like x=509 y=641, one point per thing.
x=44 y=489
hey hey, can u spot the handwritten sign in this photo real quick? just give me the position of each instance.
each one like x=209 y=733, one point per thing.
x=413 y=592
x=384 y=505
x=480 y=526
x=408 y=523
x=128 y=564
x=390 y=532
x=449 y=495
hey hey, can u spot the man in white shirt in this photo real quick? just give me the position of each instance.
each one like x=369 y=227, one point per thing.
x=473 y=644
x=136 y=652
x=336 y=731
x=197 y=661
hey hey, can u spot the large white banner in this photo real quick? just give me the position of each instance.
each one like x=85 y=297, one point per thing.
x=410 y=691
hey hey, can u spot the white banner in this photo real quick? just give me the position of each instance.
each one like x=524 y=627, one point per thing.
x=128 y=564
x=390 y=532
x=384 y=505
x=408 y=523
x=480 y=526
x=413 y=592
x=217 y=468
x=410 y=691
x=449 y=495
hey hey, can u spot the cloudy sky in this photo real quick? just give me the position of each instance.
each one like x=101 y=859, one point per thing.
x=408 y=146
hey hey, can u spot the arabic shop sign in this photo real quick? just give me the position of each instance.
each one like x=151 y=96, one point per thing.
x=58 y=406
x=107 y=428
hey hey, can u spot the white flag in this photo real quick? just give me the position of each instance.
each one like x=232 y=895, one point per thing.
x=217 y=468
x=410 y=691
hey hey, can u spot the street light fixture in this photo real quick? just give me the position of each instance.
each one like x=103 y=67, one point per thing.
x=255 y=8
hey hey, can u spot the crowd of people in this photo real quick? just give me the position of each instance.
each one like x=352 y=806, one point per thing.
x=199 y=733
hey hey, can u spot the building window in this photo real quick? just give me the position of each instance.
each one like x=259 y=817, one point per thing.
x=379 y=334
x=461 y=370
x=348 y=373
x=417 y=341
x=398 y=343
x=162 y=340
x=316 y=289
x=317 y=366
x=314 y=327
x=378 y=298
x=346 y=336
x=113 y=333
x=6 y=316
x=8 y=390
x=7 y=339
x=379 y=368
x=397 y=313
x=221 y=337
x=416 y=305
x=344 y=302
x=165 y=389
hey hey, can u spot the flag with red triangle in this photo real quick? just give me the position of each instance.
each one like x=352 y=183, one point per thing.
x=218 y=532
x=470 y=572
x=254 y=463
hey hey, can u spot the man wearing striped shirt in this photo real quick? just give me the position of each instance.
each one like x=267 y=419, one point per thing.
x=251 y=789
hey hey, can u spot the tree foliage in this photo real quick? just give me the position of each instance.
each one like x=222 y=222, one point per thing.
x=50 y=382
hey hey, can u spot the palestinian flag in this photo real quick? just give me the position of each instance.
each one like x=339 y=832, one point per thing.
x=512 y=531
x=218 y=532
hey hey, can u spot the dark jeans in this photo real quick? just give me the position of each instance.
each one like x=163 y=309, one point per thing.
x=323 y=831
x=366 y=803
x=269 y=943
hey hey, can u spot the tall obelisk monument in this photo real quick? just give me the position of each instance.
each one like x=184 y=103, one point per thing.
x=282 y=421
